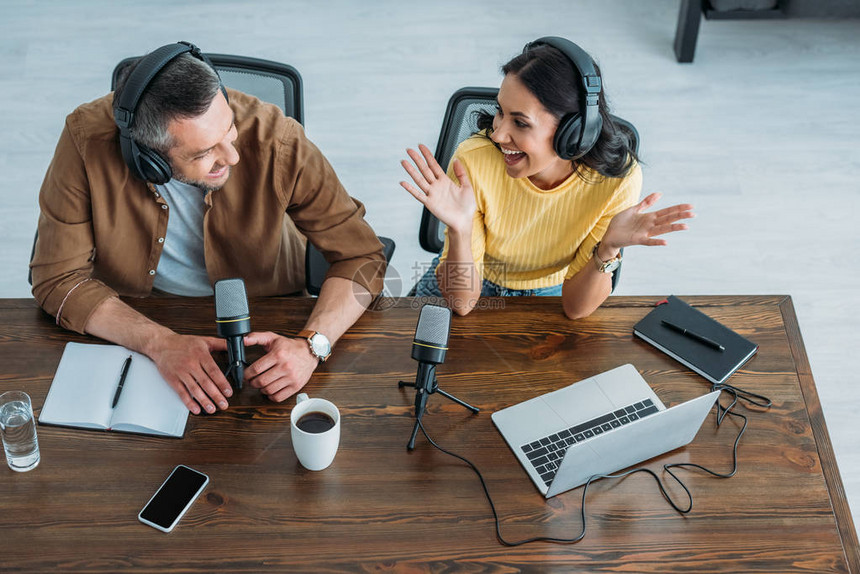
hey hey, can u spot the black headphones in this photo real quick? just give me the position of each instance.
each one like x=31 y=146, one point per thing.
x=146 y=163
x=577 y=132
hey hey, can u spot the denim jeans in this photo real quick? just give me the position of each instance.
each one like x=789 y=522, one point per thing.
x=428 y=286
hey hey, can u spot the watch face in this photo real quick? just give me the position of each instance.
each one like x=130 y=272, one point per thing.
x=611 y=266
x=320 y=345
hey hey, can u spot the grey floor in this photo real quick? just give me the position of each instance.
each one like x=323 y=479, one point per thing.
x=760 y=133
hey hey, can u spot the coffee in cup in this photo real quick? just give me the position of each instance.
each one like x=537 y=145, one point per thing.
x=315 y=422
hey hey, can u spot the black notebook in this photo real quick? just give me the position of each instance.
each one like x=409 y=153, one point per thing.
x=700 y=347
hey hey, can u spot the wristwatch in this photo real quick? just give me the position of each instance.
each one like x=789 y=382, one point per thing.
x=605 y=266
x=319 y=344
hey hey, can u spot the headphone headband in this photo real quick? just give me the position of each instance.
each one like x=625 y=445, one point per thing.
x=142 y=75
x=579 y=57
x=578 y=132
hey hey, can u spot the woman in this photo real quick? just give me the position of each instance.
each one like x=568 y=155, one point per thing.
x=543 y=198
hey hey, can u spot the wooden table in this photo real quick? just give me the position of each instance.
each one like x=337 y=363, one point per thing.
x=381 y=508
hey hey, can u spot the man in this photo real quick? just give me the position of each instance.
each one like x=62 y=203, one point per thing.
x=241 y=182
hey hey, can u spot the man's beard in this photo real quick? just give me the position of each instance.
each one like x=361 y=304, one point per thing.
x=200 y=184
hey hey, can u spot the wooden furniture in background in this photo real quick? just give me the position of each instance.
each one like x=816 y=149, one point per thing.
x=379 y=507
x=690 y=15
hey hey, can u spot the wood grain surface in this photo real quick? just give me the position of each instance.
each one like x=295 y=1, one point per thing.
x=382 y=508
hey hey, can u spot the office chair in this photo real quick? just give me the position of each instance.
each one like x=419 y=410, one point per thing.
x=278 y=84
x=457 y=125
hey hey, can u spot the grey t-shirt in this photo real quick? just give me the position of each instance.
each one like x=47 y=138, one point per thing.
x=182 y=267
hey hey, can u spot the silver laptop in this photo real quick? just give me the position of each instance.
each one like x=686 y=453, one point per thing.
x=597 y=426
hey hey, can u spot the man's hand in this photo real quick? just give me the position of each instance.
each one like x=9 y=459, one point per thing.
x=186 y=362
x=284 y=369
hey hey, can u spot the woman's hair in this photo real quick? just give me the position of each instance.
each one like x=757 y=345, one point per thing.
x=184 y=88
x=553 y=79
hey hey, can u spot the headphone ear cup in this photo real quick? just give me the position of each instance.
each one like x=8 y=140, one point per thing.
x=567 y=136
x=152 y=165
x=591 y=133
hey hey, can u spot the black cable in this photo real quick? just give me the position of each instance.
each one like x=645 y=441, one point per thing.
x=736 y=394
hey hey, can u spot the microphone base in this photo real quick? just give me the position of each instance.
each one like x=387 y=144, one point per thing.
x=421 y=403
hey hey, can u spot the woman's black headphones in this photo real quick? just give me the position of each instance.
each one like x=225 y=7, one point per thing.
x=146 y=163
x=577 y=132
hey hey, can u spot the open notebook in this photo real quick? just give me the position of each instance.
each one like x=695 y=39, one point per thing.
x=85 y=384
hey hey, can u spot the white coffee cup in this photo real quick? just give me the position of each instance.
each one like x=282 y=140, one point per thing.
x=315 y=446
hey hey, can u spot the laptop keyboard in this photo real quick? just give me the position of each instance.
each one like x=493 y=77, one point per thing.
x=545 y=454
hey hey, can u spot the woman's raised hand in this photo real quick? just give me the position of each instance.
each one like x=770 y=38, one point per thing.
x=633 y=227
x=453 y=204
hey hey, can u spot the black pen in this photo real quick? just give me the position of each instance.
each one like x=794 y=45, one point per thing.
x=122 y=376
x=700 y=338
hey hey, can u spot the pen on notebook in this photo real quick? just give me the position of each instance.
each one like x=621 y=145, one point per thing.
x=693 y=335
x=122 y=377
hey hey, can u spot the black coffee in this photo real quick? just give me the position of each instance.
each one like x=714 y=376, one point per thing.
x=315 y=422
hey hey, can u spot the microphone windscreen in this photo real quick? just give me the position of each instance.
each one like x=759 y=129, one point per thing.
x=230 y=299
x=431 y=334
x=434 y=325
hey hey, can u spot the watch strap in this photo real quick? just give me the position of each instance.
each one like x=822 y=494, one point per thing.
x=605 y=266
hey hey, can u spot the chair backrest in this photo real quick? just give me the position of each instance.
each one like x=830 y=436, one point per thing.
x=272 y=82
x=457 y=125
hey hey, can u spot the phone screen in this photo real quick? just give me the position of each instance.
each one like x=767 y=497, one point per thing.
x=174 y=497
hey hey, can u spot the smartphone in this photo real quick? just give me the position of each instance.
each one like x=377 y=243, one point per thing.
x=173 y=498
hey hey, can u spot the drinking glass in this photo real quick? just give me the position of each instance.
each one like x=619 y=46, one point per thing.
x=18 y=428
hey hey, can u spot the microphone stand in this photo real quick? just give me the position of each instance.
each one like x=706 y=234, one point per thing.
x=427 y=373
x=237 y=371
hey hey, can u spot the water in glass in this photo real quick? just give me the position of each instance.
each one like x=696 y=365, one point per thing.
x=19 y=435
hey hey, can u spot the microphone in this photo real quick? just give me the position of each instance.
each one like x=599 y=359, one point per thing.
x=430 y=345
x=233 y=322
x=428 y=348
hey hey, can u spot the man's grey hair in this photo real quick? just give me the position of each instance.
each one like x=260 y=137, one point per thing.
x=184 y=88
